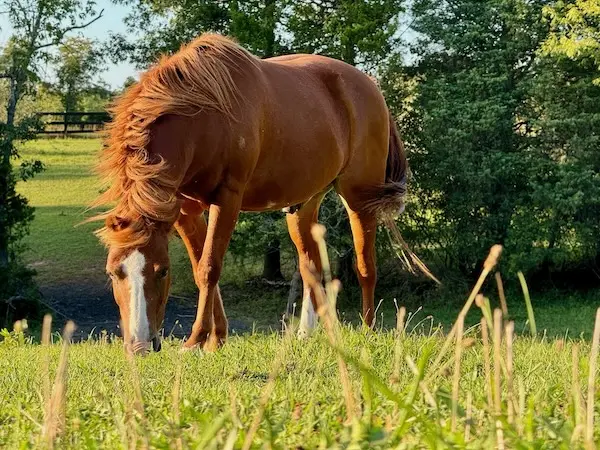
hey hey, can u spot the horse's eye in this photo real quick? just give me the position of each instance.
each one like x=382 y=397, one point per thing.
x=117 y=274
x=162 y=273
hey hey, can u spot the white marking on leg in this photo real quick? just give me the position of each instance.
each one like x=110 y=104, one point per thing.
x=139 y=327
x=308 y=316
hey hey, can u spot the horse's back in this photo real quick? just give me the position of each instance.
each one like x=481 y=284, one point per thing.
x=335 y=101
x=304 y=89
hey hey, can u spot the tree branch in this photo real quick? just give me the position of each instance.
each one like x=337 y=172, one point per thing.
x=62 y=34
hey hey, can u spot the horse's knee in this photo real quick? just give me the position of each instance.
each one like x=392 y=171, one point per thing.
x=208 y=274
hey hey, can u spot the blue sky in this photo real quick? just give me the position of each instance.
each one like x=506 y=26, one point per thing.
x=112 y=20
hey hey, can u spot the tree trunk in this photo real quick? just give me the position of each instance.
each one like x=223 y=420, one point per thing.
x=295 y=288
x=272 y=261
x=5 y=168
x=270 y=23
x=13 y=98
x=345 y=269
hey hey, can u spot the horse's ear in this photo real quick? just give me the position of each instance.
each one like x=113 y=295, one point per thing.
x=116 y=223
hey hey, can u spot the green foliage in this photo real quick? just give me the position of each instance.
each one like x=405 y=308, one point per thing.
x=15 y=212
x=497 y=149
x=575 y=30
x=357 y=32
x=77 y=63
x=157 y=27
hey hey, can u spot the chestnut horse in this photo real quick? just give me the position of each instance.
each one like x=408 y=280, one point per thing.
x=215 y=128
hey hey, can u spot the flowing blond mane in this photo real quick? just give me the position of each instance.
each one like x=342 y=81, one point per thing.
x=196 y=78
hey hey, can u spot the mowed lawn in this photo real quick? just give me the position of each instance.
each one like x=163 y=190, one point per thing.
x=57 y=249
x=60 y=247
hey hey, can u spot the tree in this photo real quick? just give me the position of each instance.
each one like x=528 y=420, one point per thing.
x=39 y=26
x=471 y=166
x=565 y=103
x=78 y=62
x=161 y=27
x=575 y=31
x=501 y=137
x=360 y=32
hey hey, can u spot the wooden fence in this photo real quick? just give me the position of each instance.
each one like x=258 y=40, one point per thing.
x=65 y=123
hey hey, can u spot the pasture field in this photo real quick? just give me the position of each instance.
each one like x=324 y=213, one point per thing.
x=70 y=263
x=411 y=386
x=293 y=392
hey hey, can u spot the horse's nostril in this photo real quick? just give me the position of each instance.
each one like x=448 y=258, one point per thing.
x=140 y=348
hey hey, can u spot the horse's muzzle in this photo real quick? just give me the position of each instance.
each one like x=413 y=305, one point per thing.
x=142 y=348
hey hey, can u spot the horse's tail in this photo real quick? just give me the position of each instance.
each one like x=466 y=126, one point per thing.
x=387 y=200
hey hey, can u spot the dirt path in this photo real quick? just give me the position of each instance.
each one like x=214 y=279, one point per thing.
x=92 y=307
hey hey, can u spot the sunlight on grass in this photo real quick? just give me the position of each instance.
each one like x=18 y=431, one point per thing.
x=218 y=393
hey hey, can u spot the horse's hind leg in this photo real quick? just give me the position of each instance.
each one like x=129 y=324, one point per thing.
x=364 y=230
x=299 y=227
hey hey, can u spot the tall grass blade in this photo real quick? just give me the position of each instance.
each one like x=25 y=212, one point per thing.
x=400 y=316
x=497 y=376
x=487 y=366
x=576 y=394
x=138 y=402
x=46 y=331
x=175 y=395
x=329 y=318
x=489 y=264
x=456 y=377
x=589 y=431
x=55 y=419
x=509 y=332
x=469 y=415
x=501 y=295
x=267 y=389
x=486 y=310
x=530 y=314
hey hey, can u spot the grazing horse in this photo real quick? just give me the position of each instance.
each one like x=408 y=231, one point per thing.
x=213 y=128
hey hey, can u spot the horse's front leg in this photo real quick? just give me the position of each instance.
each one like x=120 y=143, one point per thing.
x=221 y=223
x=192 y=230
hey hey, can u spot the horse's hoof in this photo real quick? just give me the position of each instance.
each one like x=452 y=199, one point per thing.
x=213 y=344
x=191 y=348
x=303 y=334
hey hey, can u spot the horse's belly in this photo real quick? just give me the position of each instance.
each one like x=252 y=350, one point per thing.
x=288 y=184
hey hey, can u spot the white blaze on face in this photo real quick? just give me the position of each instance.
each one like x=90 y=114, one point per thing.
x=139 y=328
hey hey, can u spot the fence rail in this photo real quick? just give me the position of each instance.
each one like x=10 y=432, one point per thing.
x=66 y=123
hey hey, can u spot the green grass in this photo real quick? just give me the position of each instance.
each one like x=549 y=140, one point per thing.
x=219 y=395
x=220 y=392
x=57 y=249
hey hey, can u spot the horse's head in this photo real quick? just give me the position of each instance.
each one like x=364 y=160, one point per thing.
x=138 y=265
